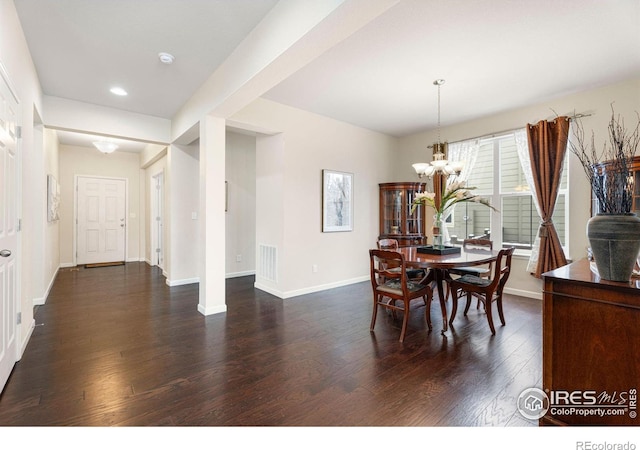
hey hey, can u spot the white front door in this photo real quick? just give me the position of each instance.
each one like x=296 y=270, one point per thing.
x=8 y=231
x=101 y=220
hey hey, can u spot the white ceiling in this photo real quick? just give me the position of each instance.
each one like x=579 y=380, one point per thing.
x=495 y=55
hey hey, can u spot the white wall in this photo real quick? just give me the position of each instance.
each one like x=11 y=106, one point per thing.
x=182 y=258
x=89 y=161
x=51 y=253
x=626 y=99
x=309 y=143
x=241 y=201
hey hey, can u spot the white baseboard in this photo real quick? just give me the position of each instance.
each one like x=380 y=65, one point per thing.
x=523 y=293
x=268 y=289
x=67 y=265
x=25 y=340
x=172 y=283
x=212 y=310
x=240 y=274
x=311 y=289
x=42 y=300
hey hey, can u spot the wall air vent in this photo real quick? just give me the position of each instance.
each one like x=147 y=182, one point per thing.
x=267 y=262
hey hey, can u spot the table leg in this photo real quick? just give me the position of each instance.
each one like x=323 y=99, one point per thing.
x=439 y=279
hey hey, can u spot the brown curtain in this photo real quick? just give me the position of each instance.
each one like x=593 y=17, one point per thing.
x=547 y=149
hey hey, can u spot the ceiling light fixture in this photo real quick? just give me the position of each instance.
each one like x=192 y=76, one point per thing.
x=118 y=91
x=166 y=58
x=105 y=147
x=439 y=163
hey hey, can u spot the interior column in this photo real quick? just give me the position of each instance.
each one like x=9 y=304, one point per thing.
x=212 y=216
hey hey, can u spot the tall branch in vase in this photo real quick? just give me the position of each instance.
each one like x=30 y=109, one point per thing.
x=611 y=186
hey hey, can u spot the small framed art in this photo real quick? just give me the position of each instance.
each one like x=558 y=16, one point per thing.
x=337 y=201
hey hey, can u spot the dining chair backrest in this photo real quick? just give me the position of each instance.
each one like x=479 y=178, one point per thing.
x=382 y=264
x=502 y=268
x=384 y=244
x=478 y=243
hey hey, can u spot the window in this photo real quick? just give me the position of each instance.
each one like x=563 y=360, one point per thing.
x=498 y=176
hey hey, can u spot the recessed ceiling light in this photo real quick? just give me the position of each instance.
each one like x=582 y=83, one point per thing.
x=118 y=91
x=166 y=58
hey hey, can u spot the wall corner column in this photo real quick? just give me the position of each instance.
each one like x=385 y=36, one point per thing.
x=212 y=216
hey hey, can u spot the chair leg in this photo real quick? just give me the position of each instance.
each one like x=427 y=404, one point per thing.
x=405 y=321
x=500 y=313
x=466 y=308
x=454 y=305
x=375 y=311
x=488 y=308
x=427 y=310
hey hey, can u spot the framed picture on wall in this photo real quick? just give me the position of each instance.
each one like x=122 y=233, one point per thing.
x=337 y=201
x=53 y=198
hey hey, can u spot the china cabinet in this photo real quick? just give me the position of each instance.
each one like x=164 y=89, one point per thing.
x=396 y=220
x=635 y=173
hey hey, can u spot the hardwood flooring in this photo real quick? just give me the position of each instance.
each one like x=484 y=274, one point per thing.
x=116 y=346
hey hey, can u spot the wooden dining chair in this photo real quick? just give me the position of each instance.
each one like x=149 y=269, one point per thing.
x=483 y=271
x=393 y=286
x=392 y=244
x=487 y=290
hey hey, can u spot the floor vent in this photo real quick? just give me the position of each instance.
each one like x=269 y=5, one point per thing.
x=267 y=262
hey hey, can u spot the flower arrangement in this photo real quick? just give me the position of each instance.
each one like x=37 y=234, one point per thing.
x=611 y=183
x=453 y=193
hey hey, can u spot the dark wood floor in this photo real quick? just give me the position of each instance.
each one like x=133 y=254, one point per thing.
x=116 y=346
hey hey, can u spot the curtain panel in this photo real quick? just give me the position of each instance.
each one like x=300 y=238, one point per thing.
x=547 y=142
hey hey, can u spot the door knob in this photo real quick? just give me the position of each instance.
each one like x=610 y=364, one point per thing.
x=5 y=253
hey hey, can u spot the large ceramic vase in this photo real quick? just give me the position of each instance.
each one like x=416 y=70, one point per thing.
x=615 y=243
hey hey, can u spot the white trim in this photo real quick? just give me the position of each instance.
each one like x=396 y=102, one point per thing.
x=523 y=293
x=268 y=290
x=240 y=274
x=311 y=289
x=42 y=300
x=215 y=310
x=172 y=283
x=66 y=265
x=157 y=209
x=25 y=341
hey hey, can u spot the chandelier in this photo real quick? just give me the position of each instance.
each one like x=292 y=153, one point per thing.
x=105 y=147
x=439 y=164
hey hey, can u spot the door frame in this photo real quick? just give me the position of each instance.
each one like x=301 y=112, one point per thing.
x=157 y=210
x=75 y=213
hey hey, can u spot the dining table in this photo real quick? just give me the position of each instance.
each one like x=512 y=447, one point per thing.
x=437 y=267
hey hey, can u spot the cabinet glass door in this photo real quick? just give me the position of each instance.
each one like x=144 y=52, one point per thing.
x=393 y=205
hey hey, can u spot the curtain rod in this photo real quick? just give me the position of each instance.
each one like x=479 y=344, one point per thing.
x=503 y=132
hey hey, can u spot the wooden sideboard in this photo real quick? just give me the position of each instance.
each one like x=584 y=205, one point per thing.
x=591 y=348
